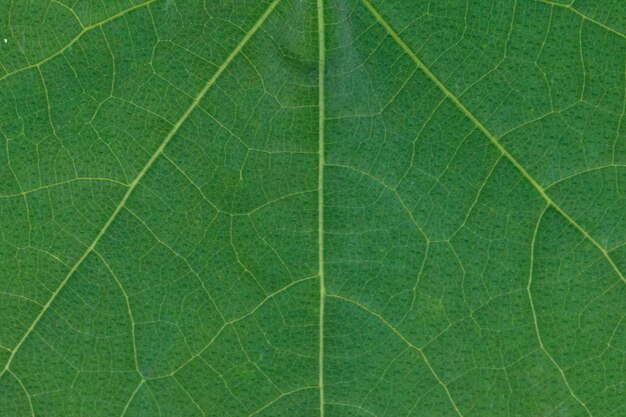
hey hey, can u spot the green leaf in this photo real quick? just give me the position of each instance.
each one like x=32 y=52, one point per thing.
x=312 y=208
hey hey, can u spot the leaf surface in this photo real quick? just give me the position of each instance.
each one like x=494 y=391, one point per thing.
x=312 y=208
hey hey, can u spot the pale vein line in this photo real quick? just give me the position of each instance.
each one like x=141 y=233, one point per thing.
x=621 y=118
x=225 y=383
x=77 y=37
x=142 y=173
x=191 y=399
x=583 y=16
x=391 y=189
x=129 y=310
x=394 y=35
x=532 y=308
x=20 y=297
x=181 y=257
x=132 y=397
x=405 y=340
x=64 y=182
x=28 y=397
x=320 y=187
x=477 y=198
x=232 y=322
x=282 y=395
x=357 y=407
x=584 y=171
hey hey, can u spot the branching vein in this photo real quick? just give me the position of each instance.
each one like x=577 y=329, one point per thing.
x=85 y=30
x=142 y=173
x=494 y=140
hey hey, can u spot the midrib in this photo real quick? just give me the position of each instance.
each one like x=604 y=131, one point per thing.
x=320 y=188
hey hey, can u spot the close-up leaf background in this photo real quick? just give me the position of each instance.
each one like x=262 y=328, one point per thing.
x=334 y=208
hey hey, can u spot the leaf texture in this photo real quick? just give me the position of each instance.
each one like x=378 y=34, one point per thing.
x=334 y=208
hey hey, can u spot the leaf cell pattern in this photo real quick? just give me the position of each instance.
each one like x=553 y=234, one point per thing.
x=312 y=208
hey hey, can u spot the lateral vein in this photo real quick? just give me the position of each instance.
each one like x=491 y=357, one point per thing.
x=77 y=37
x=494 y=140
x=583 y=16
x=142 y=173
x=407 y=342
x=534 y=314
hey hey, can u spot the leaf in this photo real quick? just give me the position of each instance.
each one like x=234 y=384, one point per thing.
x=312 y=208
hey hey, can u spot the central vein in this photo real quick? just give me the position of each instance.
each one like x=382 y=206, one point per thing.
x=320 y=188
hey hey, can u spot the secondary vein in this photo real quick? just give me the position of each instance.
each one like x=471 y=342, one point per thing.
x=142 y=173
x=77 y=37
x=584 y=16
x=494 y=140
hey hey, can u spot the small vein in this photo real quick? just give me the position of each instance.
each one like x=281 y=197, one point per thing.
x=494 y=140
x=28 y=396
x=193 y=401
x=282 y=395
x=128 y=308
x=391 y=189
x=584 y=171
x=355 y=406
x=142 y=173
x=476 y=198
x=225 y=382
x=132 y=397
x=584 y=16
x=534 y=313
x=179 y=256
x=69 y=9
x=234 y=321
x=405 y=340
x=64 y=182
x=85 y=30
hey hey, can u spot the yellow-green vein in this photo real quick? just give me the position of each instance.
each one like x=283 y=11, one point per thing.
x=77 y=37
x=142 y=173
x=494 y=140
x=320 y=187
